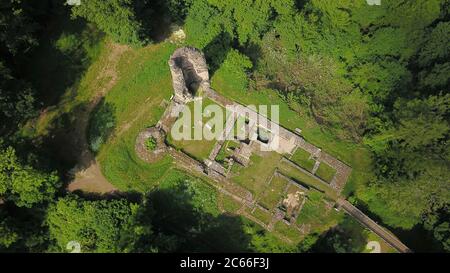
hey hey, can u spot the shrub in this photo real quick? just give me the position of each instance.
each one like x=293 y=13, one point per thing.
x=101 y=125
x=150 y=144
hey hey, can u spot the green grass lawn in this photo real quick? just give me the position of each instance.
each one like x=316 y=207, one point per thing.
x=255 y=177
x=203 y=196
x=306 y=180
x=198 y=149
x=144 y=82
x=315 y=214
x=288 y=231
x=262 y=215
x=273 y=193
x=302 y=158
x=325 y=172
x=230 y=204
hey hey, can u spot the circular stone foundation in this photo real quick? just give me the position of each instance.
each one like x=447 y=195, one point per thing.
x=160 y=150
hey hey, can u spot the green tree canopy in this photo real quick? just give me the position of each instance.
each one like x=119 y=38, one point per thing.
x=118 y=18
x=97 y=225
x=22 y=184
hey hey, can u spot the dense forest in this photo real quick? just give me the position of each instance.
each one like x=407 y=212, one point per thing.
x=376 y=76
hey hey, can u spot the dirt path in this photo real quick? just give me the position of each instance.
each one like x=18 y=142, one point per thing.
x=87 y=174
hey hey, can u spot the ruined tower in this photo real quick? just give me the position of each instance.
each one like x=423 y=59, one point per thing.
x=189 y=73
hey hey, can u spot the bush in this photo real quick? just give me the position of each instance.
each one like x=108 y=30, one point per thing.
x=150 y=144
x=117 y=18
x=101 y=126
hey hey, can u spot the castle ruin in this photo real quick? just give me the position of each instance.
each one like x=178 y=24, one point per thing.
x=189 y=73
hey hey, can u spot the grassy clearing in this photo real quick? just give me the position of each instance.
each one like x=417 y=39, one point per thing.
x=262 y=215
x=315 y=213
x=302 y=158
x=230 y=204
x=203 y=196
x=273 y=193
x=144 y=82
x=288 y=231
x=325 y=172
x=306 y=179
x=355 y=155
x=198 y=149
x=255 y=177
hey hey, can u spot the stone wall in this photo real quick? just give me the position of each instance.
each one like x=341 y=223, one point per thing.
x=189 y=73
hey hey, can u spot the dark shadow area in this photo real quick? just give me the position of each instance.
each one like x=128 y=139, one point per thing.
x=347 y=237
x=418 y=239
x=192 y=80
x=53 y=68
x=254 y=52
x=66 y=48
x=180 y=225
x=102 y=123
x=158 y=16
x=59 y=149
x=300 y=4
x=73 y=138
x=132 y=196
x=23 y=228
x=216 y=51
x=157 y=21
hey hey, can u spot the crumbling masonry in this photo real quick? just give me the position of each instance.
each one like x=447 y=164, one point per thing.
x=189 y=73
x=191 y=81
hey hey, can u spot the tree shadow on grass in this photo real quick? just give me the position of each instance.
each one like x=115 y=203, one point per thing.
x=217 y=50
x=158 y=16
x=417 y=238
x=254 y=52
x=155 y=19
x=132 y=196
x=180 y=225
x=347 y=237
x=66 y=48
x=73 y=138
x=57 y=148
x=101 y=125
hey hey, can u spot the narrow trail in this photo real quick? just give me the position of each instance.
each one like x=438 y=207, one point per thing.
x=87 y=173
